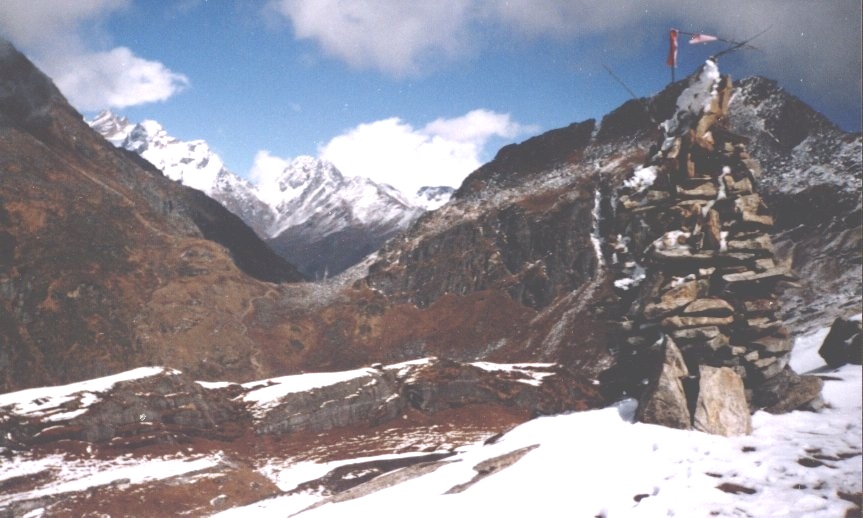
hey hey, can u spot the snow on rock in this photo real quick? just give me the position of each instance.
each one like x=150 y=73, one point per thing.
x=693 y=101
x=113 y=127
x=49 y=401
x=534 y=372
x=431 y=198
x=70 y=475
x=266 y=393
x=642 y=178
x=307 y=189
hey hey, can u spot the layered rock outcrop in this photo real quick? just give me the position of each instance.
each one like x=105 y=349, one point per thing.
x=153 y=405
x=692 y=254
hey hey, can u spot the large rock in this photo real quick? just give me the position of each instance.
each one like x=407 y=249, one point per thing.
x=789 y=391
x=721 y=408
x=665 y=403
x=844 y=343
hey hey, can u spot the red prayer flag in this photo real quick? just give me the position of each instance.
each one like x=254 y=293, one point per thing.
x=701 y=38
x=672 y=48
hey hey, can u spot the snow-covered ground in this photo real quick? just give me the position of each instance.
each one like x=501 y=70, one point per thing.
x=601 y=463
x=595 y=463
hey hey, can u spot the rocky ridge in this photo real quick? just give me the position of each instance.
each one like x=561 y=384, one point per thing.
x=101 y=256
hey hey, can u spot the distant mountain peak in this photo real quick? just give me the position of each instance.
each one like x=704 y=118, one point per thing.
x=113 y=127
x=303 y=210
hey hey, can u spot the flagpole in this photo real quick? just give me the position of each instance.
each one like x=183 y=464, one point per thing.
x=672 y=51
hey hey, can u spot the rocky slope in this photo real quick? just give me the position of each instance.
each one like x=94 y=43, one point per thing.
x=310 y=213
x=102 y=257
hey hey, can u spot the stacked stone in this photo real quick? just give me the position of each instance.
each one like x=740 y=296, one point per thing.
x=699 y=234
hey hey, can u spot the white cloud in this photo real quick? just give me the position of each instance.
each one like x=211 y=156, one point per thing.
x=814 y=44
x=50 y=32
x=443 y=152
x=116 y=79
x=267 y=168
x=391 y=35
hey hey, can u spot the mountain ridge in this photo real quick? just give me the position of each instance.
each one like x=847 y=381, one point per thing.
x=306 y=212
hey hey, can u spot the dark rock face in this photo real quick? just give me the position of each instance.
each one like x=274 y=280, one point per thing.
x=515 y=162
x=812 y=185
x=843 y=344
x=318 y=257
x=535 y=250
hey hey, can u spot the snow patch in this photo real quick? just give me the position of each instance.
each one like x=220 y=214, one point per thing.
x=691 y=102
x=642 y=178
x=44 y=400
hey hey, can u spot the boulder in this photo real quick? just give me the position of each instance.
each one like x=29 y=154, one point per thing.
x=771 y=366
x=787 y=391
x=754 y=167
x=712 y=230
x=721 y=407
x=760 y=326
x=664 y=402
x=843 y=344
x=696 y=333
x=777 y=273
x=684 y=256
x=701 y=338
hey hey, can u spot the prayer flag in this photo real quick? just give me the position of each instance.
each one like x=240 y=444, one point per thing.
x=672 y=48
x=701 y=38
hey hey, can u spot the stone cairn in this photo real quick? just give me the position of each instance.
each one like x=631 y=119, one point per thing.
x=693 y=259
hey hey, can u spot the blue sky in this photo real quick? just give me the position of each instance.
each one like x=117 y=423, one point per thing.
x=412 y=93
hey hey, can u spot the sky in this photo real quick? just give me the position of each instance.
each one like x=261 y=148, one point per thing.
x=411 y=93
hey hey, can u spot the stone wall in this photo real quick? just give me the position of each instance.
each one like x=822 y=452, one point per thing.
x=694 y=263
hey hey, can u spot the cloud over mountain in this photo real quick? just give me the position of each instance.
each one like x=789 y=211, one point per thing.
x=393 y=37
x=91 y=76
x=443 y=152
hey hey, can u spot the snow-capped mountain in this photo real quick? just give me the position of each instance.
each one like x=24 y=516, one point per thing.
x=312 y=215
x=191 y=163
x=114 y=128
x=325 y=222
